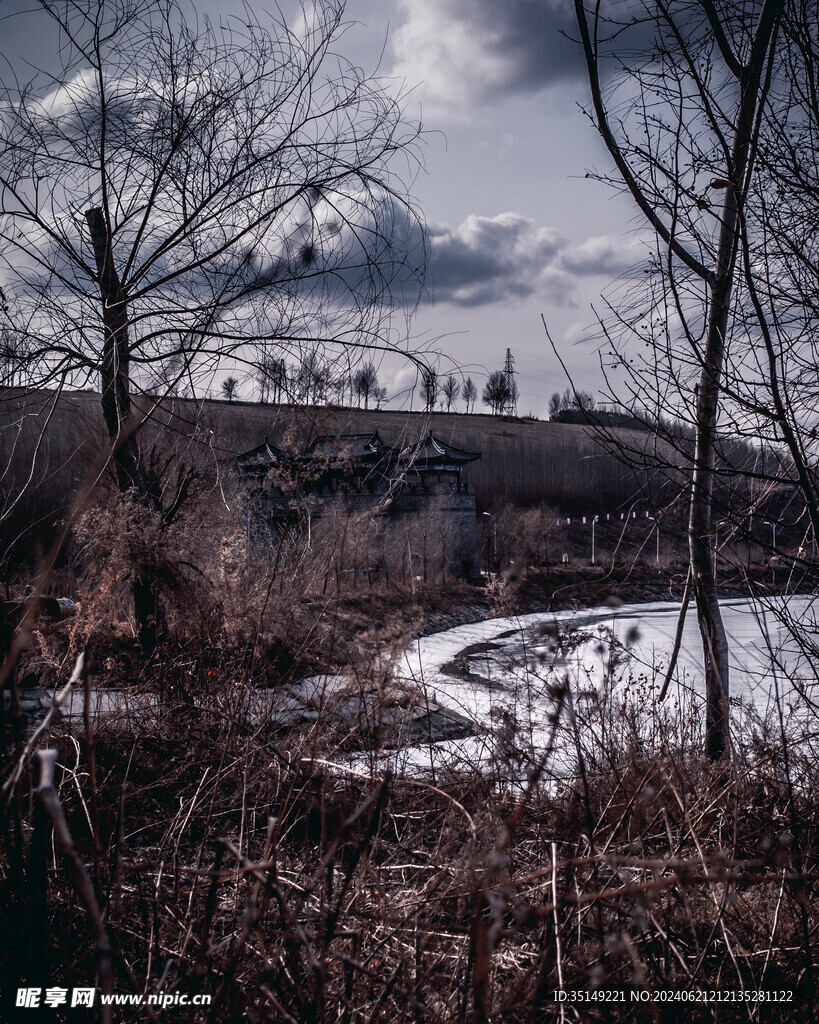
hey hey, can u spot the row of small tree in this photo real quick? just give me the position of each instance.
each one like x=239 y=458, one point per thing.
x=571 y=406
x=500 y=393
x=313 y=382
x=446 y=393
x=316 y=382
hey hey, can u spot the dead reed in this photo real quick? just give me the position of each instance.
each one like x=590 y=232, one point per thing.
x=196 y=849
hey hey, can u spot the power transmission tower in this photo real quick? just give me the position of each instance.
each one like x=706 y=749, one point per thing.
x=511 y=408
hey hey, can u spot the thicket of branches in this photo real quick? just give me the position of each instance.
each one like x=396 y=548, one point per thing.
x=223 y=834
x=176 y=193
x=711 y=125
x=287 y=873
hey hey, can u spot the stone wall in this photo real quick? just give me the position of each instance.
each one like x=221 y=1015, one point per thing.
x=439 y=525
x=426 y=532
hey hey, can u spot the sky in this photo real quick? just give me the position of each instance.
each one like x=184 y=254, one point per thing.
x=518 y=233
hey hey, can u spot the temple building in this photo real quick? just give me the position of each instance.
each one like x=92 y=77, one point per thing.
x=398 y=508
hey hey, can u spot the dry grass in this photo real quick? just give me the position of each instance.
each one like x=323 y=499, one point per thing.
x=192 y=850
x=523 y=461
x=203 y=855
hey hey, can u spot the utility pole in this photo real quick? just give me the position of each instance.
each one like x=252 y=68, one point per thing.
x=511 y=408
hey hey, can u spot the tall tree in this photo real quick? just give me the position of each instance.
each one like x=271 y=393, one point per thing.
x=689 y=129
x=470 y=394
x=564 y=408
x=496 y=392
x=450 y=389
x=14 y=357
x=230 y=386
x=172 y=193
x=272 y=377
x=312 y=379
x=365 y=384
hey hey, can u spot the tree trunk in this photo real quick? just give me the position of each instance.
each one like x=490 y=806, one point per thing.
x=712 y=629
x=709 y=616
x=719 y=283
x=116 y=358
x=116 y=408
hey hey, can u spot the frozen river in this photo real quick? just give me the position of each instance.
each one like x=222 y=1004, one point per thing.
x=503 y=671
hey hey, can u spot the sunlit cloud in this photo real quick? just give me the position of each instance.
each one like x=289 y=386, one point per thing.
x=462 y=54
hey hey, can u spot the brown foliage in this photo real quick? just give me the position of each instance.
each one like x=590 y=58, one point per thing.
x=289 y=875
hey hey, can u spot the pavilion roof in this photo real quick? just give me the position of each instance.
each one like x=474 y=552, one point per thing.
x=432 y=451
x=348 y=447
x=264 y=454
x=366 y=450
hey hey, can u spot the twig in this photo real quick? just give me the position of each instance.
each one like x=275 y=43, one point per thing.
x=59 y=700
x=675 y=650
x=50 y=801
x=558 y=949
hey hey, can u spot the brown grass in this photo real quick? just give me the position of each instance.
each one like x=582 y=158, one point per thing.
x=193 y=850
x=266 y=873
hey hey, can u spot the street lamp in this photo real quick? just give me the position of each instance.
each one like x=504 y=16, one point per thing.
x=716 y=545
x=773 y=533
x=657 y=527
x=596 y=518
x=494 y=537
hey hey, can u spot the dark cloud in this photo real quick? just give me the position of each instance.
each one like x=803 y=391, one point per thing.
x=488 y=259
x=508 y=257
x=466 y=52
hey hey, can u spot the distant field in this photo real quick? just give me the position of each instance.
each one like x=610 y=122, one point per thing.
x=522 y=461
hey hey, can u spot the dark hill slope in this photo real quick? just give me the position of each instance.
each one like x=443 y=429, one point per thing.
x=48 y=444
x=523 y=461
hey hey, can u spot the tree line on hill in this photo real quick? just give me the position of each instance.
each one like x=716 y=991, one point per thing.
x=318 y=380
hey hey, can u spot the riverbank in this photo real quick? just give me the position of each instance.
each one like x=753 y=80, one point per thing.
x=565 y=587
x=646 y=871
x=435 y=608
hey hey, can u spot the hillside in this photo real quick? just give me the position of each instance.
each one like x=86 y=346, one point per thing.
x=522 y=461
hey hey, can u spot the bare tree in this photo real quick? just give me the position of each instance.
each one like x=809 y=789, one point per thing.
x=176 y=191
x=470 y=394
x=570 y=405
x=556 y=405
x=312 y=379
x=14 y=358
x=496 y=392
x=428 y=388
x=341 y=386
x=450 y=389
x=272 y=377
x=365 y=384
x=697 y=95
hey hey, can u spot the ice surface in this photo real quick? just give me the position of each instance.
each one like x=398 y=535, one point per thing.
x=624 y=651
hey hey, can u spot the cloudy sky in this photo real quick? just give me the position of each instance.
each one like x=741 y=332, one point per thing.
x=517 y=231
